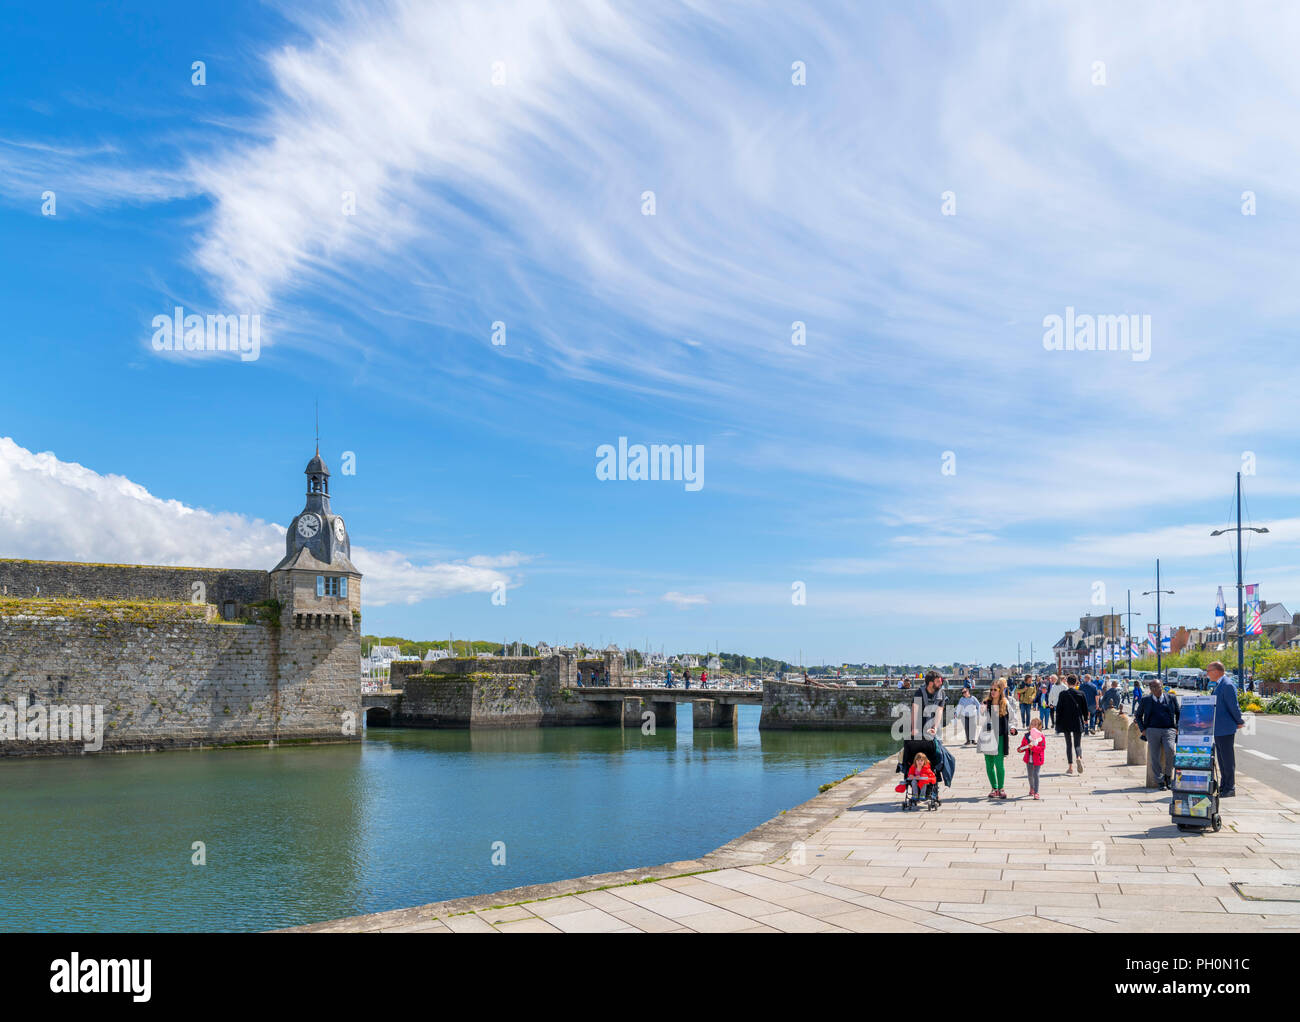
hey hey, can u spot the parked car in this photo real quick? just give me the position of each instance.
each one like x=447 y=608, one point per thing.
x=1187 y=677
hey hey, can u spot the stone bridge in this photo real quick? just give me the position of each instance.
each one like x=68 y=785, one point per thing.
x=531 y=700
x=710 y=707
x=379 y=707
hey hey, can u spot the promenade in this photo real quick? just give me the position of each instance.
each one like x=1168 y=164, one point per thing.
x=1098 y=853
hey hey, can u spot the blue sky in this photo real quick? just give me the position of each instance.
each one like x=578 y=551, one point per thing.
x=1098 y=158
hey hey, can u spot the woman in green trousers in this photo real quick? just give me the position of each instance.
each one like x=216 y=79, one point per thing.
x=998 y=723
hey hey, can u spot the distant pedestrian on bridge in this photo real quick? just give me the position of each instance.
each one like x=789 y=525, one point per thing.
x=704 y=679
x=579 y=677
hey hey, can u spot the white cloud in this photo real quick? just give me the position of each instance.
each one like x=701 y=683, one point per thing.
x=683 y=600
x=627 y=612
x=59 y=510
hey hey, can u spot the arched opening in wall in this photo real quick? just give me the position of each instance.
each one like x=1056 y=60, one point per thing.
x=378 y=716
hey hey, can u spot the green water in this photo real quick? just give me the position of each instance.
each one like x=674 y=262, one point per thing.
x=302 y=834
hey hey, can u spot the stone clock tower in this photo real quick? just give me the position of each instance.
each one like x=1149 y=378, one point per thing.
x=316 y=583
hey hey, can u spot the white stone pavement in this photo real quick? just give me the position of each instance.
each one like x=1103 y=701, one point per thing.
x=1097 y=853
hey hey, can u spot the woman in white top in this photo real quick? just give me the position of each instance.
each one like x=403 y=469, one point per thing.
x=968 y=709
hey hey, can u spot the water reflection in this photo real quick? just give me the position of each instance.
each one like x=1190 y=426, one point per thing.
x=409 y=816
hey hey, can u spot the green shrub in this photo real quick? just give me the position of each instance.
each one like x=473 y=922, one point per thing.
x=1283 y=702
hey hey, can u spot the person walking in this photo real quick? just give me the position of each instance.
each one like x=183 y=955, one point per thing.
x=1089 y=692
x=997 y=726
x=1040 y=702
x=927 y=708
x=1025 y=696
x=968 y=709
x=1034 y=746
x=1071 y=718
x=1054 y=690
x=1111 y=698
x=1227 y=722
x=1136 y=694
x=1157 y=721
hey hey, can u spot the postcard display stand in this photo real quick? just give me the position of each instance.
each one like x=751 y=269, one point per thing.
x=1195 y=803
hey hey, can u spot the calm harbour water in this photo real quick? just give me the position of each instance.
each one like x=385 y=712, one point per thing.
x=303 y=834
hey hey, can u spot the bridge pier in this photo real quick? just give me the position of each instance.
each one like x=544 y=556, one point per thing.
x=635 y=708
x=712 y=713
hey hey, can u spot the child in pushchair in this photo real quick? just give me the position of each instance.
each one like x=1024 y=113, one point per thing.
x=921 y=786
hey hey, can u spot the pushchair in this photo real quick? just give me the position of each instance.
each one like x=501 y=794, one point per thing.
x=912 y=798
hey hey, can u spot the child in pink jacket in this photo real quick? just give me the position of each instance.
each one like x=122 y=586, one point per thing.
x=1034 y=746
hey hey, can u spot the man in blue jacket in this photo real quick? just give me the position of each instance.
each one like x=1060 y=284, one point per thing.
x=1089 y=692
x=1227 y=722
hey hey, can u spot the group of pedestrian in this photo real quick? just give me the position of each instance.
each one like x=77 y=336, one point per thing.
x=1075 y=708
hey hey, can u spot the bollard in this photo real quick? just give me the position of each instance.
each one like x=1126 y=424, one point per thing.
x=1137 y=749
x=1120 y=734
x=1111 y=722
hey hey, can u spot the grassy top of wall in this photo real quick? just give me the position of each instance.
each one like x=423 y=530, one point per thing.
x=137 y=567
x=142 y=612
x=436 y=676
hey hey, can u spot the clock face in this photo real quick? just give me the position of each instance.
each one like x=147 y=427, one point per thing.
x=308 y=525
x=339 y=532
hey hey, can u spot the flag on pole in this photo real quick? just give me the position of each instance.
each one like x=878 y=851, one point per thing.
x=1151 y=638
x=1220 y=612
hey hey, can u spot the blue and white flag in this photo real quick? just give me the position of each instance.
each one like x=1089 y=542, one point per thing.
x=1220 y=612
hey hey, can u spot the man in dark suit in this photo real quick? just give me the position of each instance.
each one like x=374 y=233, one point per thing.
x=1227 y=722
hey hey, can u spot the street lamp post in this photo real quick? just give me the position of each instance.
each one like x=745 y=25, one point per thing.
x=1130 y=635
x=1241 y=629
x=1160 y=642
